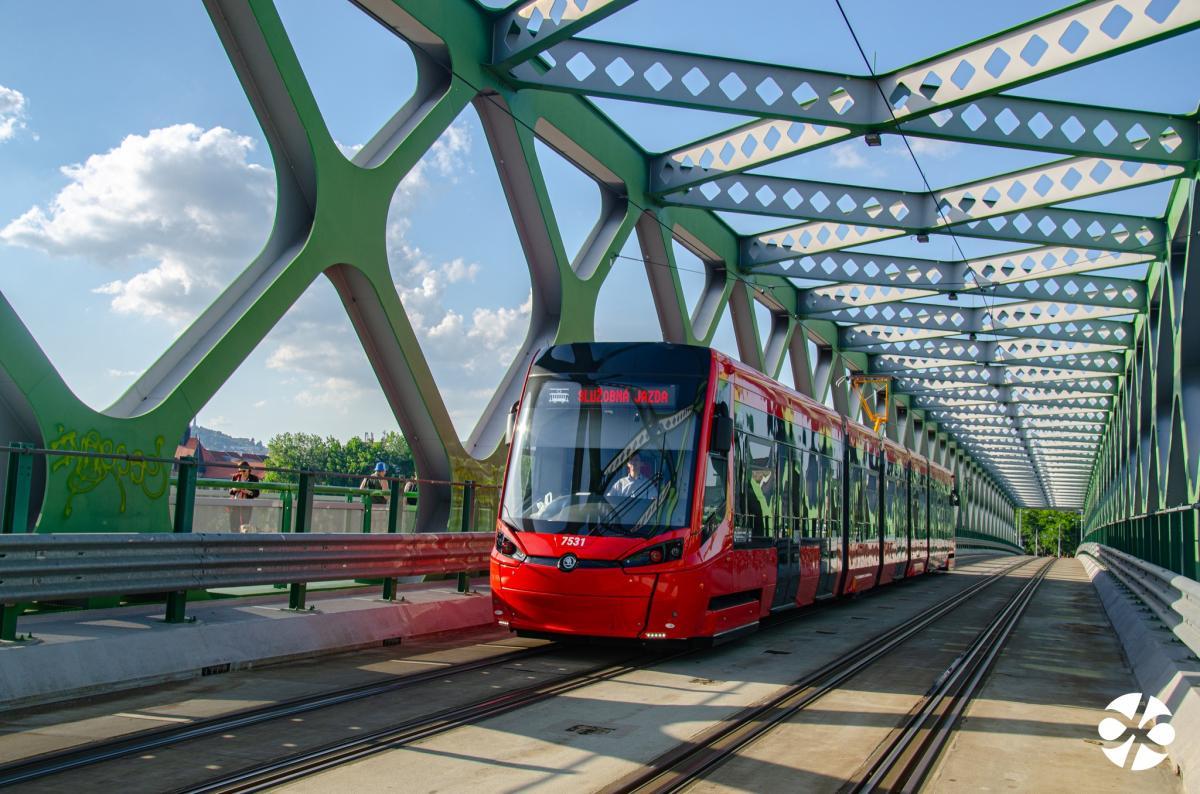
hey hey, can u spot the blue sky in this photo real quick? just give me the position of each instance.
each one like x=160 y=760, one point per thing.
x=125 y=141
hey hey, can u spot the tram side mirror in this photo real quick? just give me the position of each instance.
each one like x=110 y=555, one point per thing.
x=510 y=426
x=721 y=434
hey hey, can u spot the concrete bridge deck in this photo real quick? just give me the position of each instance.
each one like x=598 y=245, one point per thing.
x=1032 y=727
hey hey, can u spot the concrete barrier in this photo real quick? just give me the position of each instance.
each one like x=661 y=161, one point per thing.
x=80 y=654
x=1163 y=664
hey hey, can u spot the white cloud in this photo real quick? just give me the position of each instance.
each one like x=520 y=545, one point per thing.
x=182 y=198
x=933 y=148
x=14 y=112
x=848 y=157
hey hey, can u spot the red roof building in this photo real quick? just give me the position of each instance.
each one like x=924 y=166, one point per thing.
x=218 y=464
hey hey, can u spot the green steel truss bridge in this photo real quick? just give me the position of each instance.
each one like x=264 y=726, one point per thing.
x=1037 y=377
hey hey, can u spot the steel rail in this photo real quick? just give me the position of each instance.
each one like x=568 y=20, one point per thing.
x=274 y=773
x=680 y=766
x=907 y=760
x=41 y=766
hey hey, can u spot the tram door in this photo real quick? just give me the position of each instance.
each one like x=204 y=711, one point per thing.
x=788 y=525
x=823 y=498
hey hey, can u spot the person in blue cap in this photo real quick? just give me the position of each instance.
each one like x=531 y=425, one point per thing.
x=376 y=482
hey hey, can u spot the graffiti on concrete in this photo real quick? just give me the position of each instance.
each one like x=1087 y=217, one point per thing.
x=127 y=469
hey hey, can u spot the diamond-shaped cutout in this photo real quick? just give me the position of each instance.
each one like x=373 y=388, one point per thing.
x=1159 y=10
x=765 y=195
x=1100 y=172
x=819 y=200
x=1073 y=129
x=1095 y=230
x=1169 y=139
x=738 y=193
x=1115 y=23
x=1034 y=49
x=973 y=117
x=1039 y=125
x=768 y=91
x=619 y=71
x=1137 y=136
x=962 y=74
x=580 y=66
x=657 y=76
x=792 y=198
x=749 y=144
x=1016 y=190
x=1021 y=223
x=899 y=96
x=841 y=101
x=1071 y=178
x=1007 y=121
x=728 y=153
x=710 y=190
x=805 y=96
x=1072 y=38
x=706 y=159
x=997 y=62
x=556 y=11
x=1071 y=228
x=1105 y=132
x=1047 y=226
x=1043 y=185
x=899 y=210
x=846 y=204
x=930 y=85
x=535 y=22
x=732 y=86
x=872 y=207
x=695 y=81
x=1144 y=235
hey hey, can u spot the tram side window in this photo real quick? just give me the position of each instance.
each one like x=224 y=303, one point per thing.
x=754 y=506
x=814 y=494
x=831 y=470
x=791 y=492
x=715 y=487
x=870 y=528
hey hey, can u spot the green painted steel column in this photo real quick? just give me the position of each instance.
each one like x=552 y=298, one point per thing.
x=396 y=493
x=468 y=509
x=185 y=510
x=304 y=508
x=15 y=517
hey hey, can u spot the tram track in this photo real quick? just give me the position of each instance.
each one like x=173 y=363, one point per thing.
x=41 y=766
x=905 y=762
x=678 y=768
x=342 y=752
x=321 y=757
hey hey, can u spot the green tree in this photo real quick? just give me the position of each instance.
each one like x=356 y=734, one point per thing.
x=1047 y=527
x=355 y=458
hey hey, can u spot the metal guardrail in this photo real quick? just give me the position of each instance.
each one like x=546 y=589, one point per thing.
x=973 y=543
x=1173 y=598
x=62 y=566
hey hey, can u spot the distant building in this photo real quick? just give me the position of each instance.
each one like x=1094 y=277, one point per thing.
x=219 y=464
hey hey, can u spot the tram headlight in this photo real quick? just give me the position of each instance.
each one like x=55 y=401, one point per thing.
x=506 y=546
x=663 y=552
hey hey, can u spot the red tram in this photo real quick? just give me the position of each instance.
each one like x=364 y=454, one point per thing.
x=663 y=492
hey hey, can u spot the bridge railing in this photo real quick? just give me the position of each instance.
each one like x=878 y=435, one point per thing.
x=1174 y=599
x=299 y=532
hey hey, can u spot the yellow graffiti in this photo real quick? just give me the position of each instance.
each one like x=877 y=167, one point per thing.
x=85 y=474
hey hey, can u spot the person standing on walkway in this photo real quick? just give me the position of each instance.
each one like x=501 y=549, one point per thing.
x=240 y=515
x=376 y=482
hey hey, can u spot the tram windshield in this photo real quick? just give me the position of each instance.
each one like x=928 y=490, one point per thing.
x=604 y=453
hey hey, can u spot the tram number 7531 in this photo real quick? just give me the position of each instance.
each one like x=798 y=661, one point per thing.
x=573 y=540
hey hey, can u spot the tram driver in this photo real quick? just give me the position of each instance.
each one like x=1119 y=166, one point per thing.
x=634 y=484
